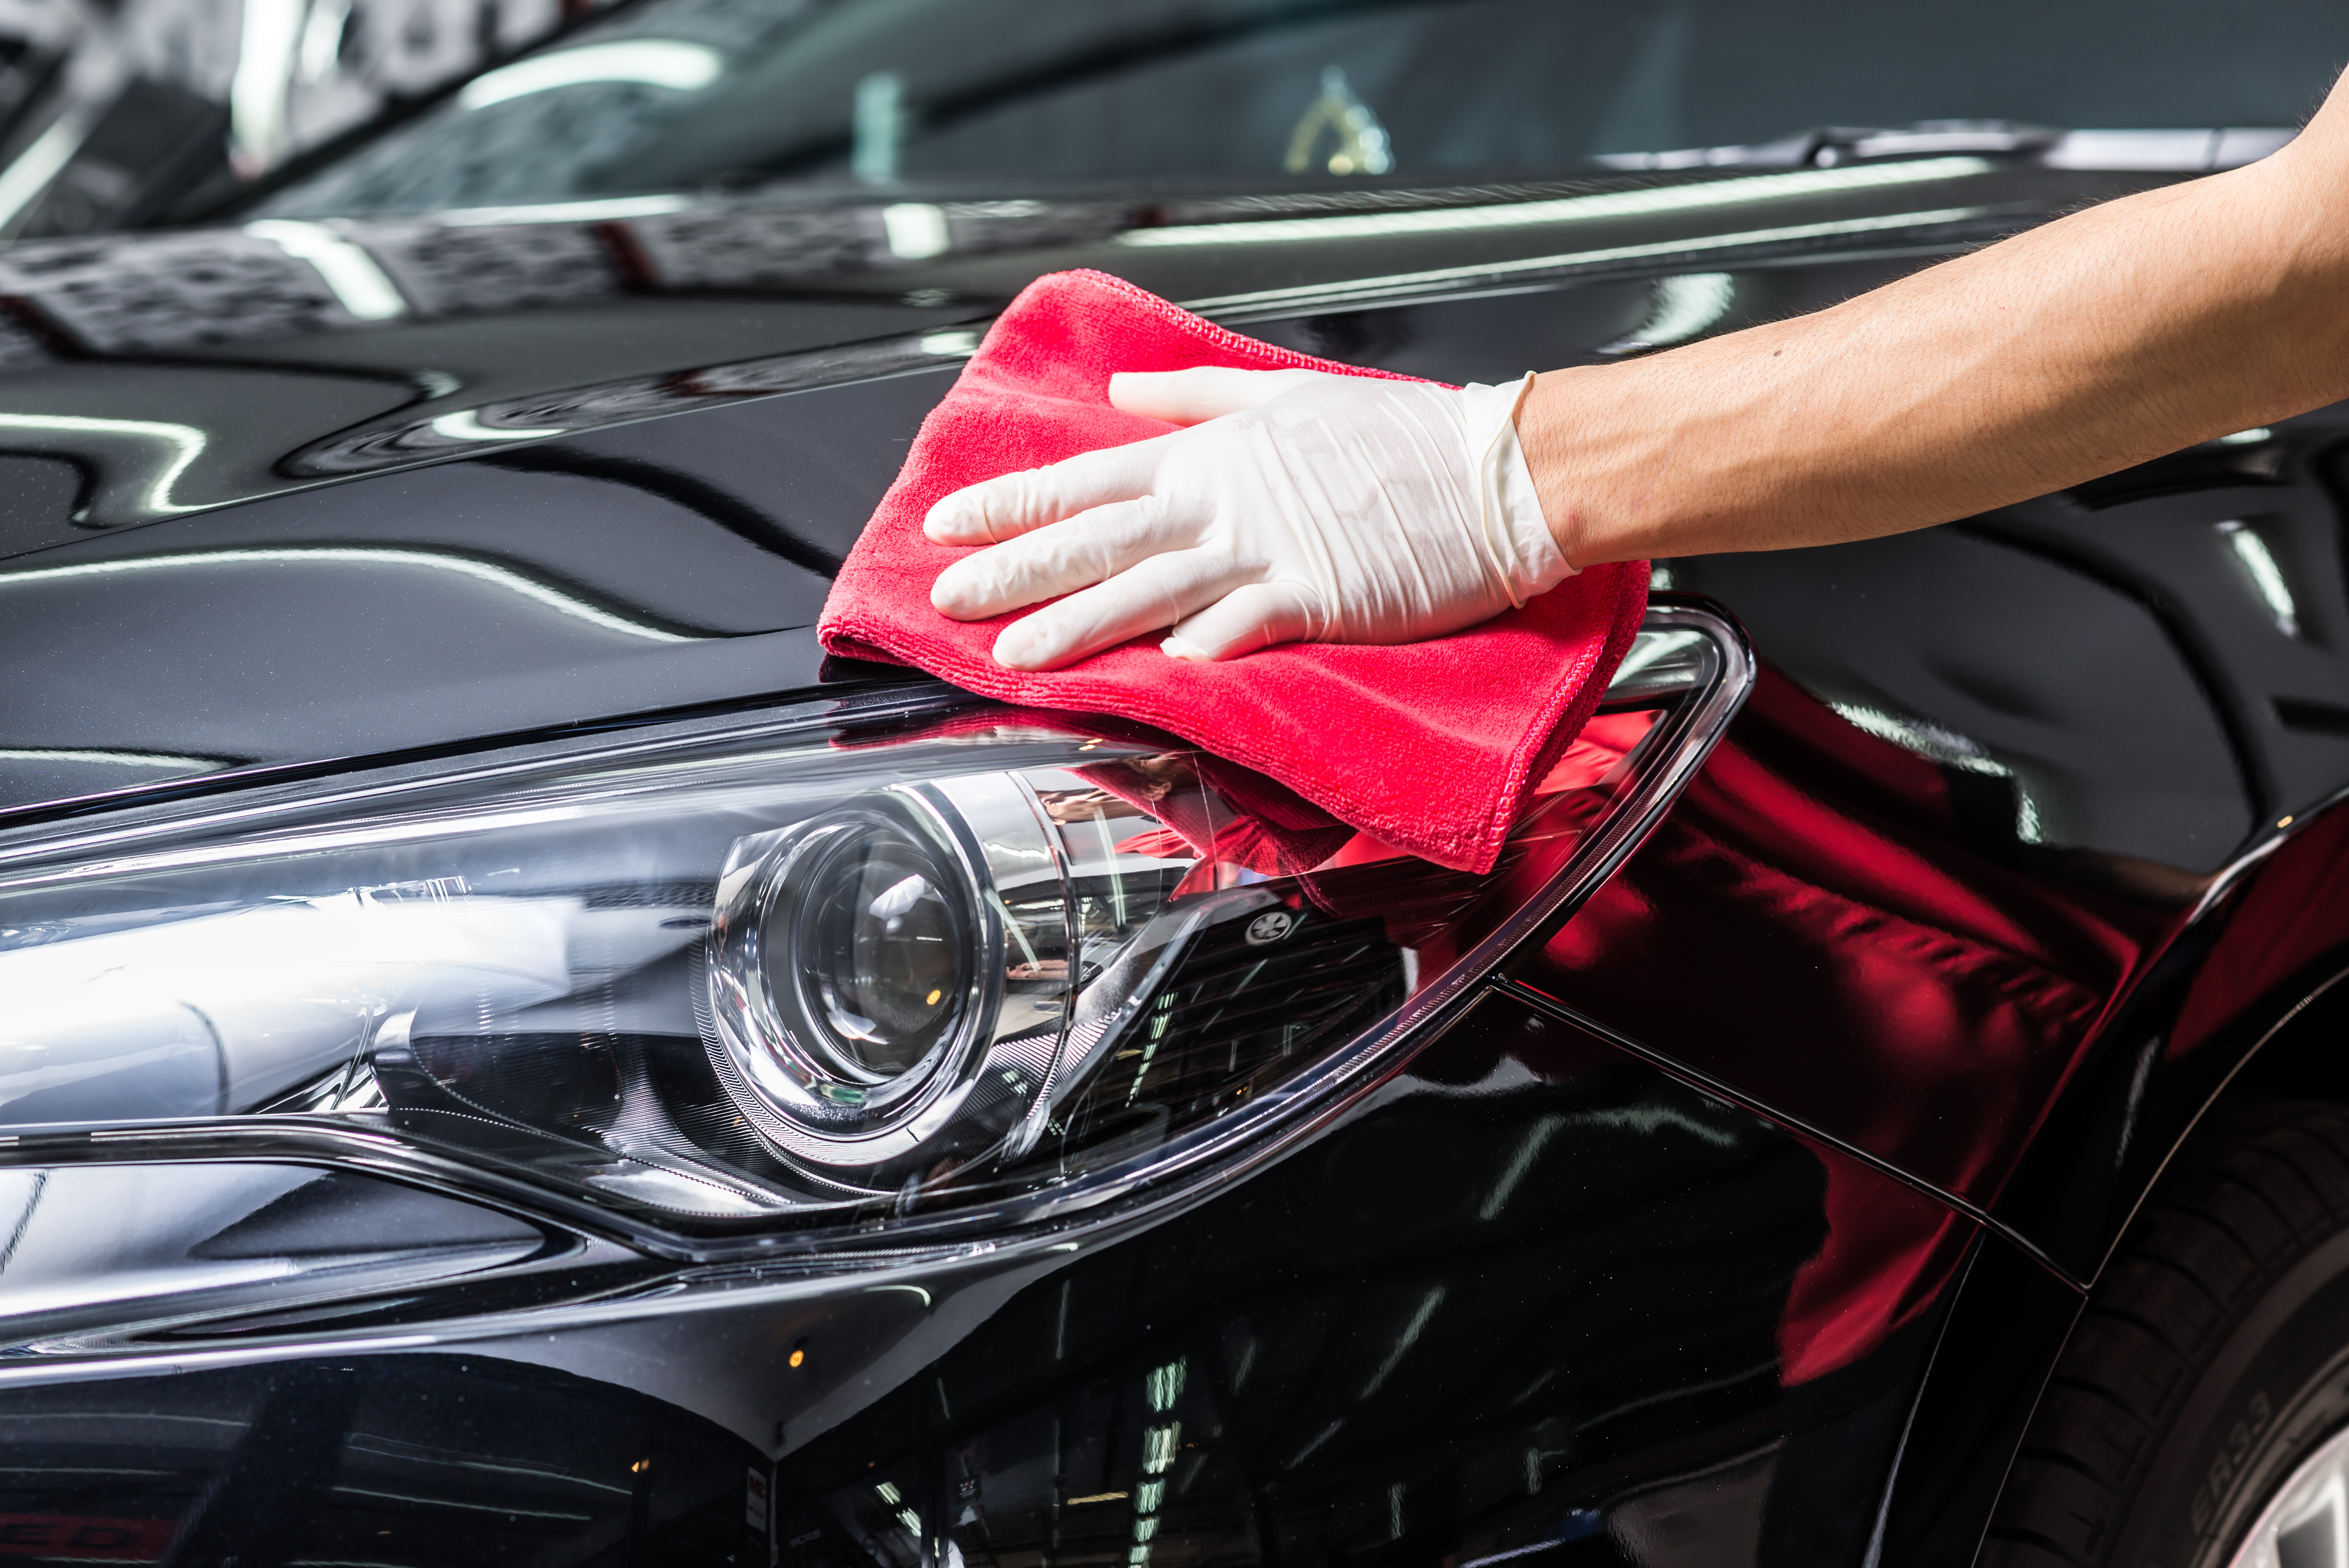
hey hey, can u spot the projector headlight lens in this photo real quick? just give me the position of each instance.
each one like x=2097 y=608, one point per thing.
x=861 y=961
x=879 y=940
x=859 y=931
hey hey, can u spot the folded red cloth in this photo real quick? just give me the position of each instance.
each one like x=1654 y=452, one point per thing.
x=1431 y=747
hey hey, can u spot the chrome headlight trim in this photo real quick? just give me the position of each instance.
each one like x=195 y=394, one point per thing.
x=986 y=1073
x=1684 y=645
x=809 y=1093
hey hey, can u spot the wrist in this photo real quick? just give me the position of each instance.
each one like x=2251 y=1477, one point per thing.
x=1715 y=446
x=1511 y=533
x=1579 y=438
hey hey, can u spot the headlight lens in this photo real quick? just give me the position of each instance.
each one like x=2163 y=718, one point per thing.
x=768 y=979
x=888 y=979
x=877 y=936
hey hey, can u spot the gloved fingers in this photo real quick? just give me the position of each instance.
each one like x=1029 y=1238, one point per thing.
x=1253 y=616
x=1158 y=593
x=1203 y=392
x=1012 y=504
x=1065 y=556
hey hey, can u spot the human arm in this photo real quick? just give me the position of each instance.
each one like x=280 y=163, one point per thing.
x=2101 y=340
x=2090 y=343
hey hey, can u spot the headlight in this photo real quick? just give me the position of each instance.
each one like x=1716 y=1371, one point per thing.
x=725 y=982
x=888 y=980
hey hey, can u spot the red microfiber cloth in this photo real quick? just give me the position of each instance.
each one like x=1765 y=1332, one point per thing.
x=1431 y=747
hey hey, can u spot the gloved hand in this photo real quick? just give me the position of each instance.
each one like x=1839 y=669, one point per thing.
x=1298 y=505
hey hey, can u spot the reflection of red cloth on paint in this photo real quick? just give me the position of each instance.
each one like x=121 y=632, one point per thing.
x=1889 y=1252
x=1925 y=1004
x=1603 y=744
x=1253 y=823
x=1157 y=844
x=1431 y=747
x=1232 y=820
x=56 y=1536
x=1207 y=809
x=2289 y=914
x=1605 y=741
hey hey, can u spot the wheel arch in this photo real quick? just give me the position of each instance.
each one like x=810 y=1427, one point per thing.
x=2241 y=1000
x=2248 y=1001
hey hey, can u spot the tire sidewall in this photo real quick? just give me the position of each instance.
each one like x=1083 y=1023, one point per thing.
x=2277 y=1389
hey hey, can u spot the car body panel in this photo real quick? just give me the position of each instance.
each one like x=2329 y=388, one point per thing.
x=1539 y=1294
x=269 y=383
x=1823 y=1111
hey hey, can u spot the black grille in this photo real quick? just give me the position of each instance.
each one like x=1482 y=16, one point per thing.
x=1234 y=1016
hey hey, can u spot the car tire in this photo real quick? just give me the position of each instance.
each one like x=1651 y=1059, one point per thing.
x=2209 y=1369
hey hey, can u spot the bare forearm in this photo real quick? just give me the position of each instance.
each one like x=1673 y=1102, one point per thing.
x=2104 y=339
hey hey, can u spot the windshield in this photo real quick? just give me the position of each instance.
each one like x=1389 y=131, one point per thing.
x=984 y=97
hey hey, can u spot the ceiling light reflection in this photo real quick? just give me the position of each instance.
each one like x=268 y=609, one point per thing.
x=652 y=62
x=29 y=173
x=182 y=445
x=1362 y=146
x=602 y=208
x=916 y=231
x=113 y=759
x=495 y=577
x=1686 y=305
x=1355 y=289
x=1409 y=1337
x=1951 y=749
x=268 y=34
x=359 y=286
x=1520 y=1165
x=876 y=125
x=1164 y=1385
x=465 y=424
x=2266 y=576
x=1702 y=196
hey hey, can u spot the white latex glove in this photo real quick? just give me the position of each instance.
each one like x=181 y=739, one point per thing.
x=1298 y=505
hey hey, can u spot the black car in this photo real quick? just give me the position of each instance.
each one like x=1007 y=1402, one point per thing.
x=508 y=1054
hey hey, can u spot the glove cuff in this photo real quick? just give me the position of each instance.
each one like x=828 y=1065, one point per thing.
x=1516 y=537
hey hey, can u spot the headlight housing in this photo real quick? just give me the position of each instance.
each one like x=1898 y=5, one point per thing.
x=726 y=985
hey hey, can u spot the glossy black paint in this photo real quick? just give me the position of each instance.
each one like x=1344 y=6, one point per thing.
x=2100 y=674
x=511 y=328
x=1542 y=1294
x=1919 y=1012
x=1996 y=1349
x=652 y=566
x=371 y=1457
x=691 y=502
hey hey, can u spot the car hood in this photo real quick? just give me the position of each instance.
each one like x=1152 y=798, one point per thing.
x=290 y=492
